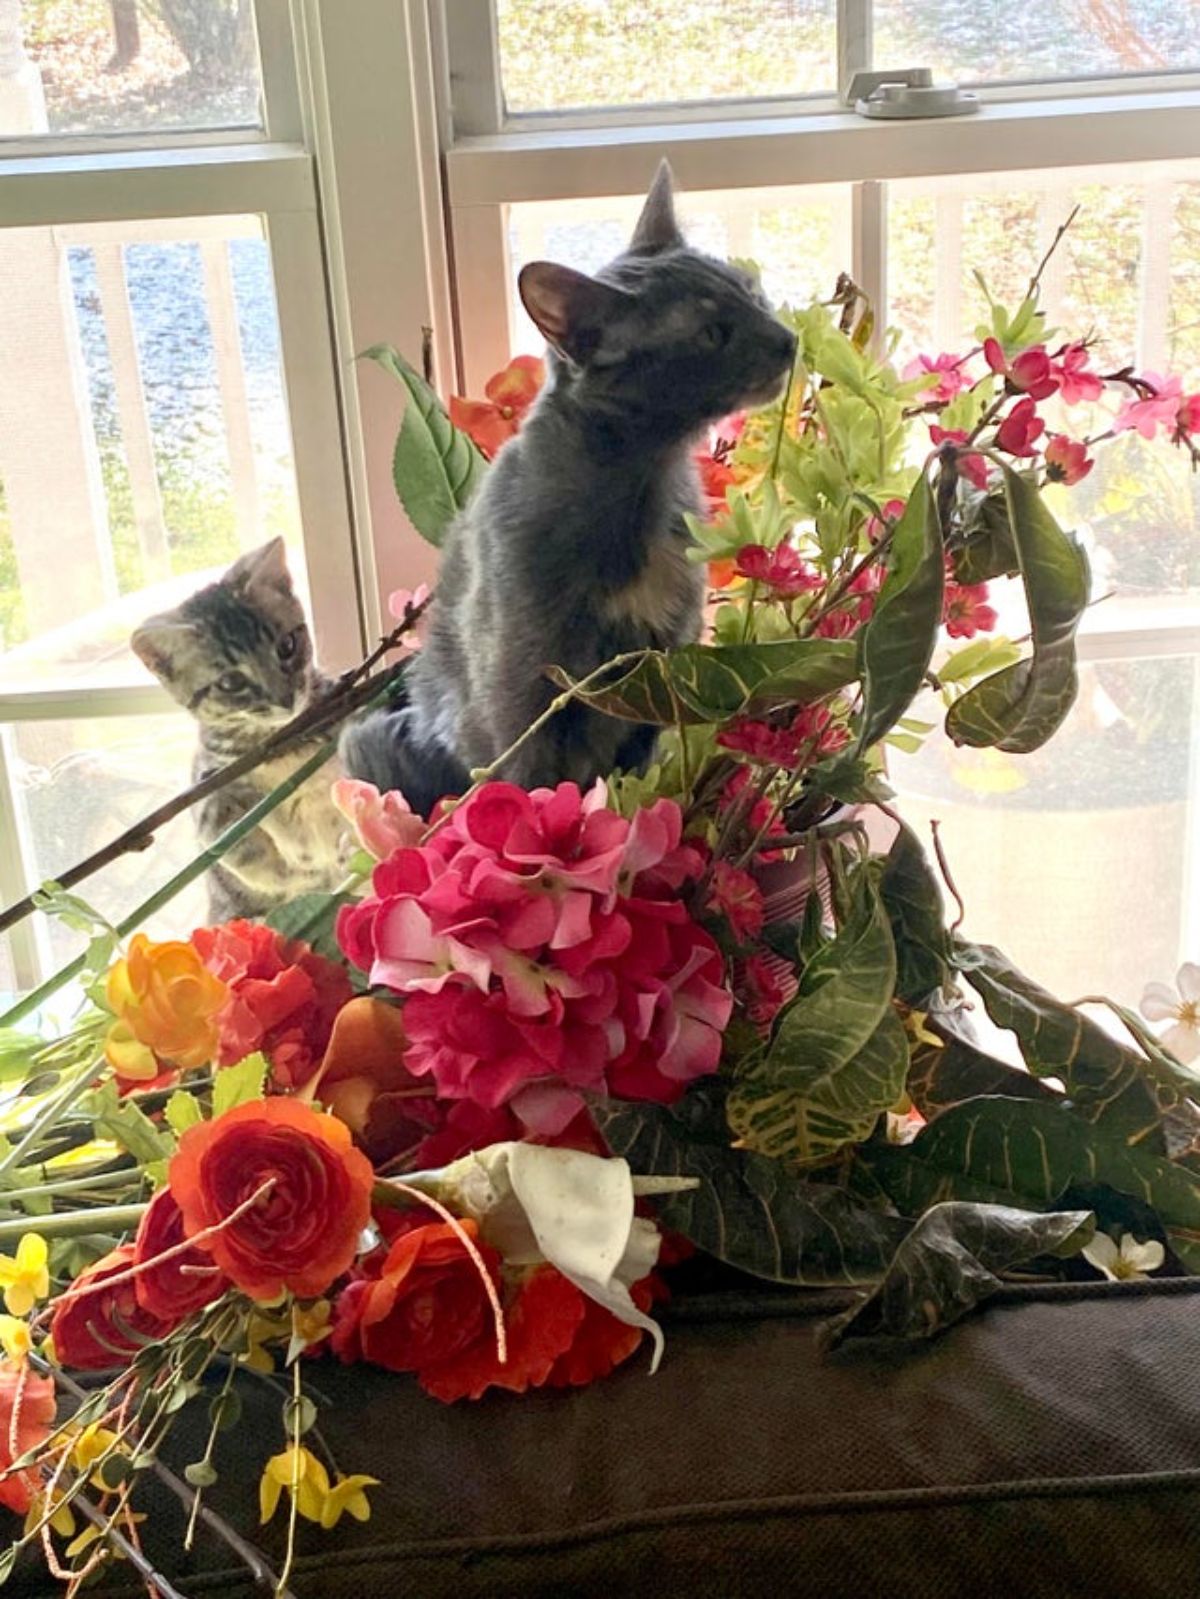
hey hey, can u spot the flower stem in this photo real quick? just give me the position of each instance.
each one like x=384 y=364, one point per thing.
x=182 y=879
x=73 y=1223
x=50 y=1116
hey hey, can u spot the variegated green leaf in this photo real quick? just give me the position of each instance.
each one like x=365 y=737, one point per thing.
x=1029 y=1152
x=750 y=1211
x=913 y=901
x=436 y=468
x=807 y=1123
x=896 y=645
x=1018 y=709
x=948 y=1264
x=712 y=683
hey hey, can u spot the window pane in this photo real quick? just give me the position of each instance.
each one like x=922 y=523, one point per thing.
x=990 y=40
x=559 y=53
x=120 y=66
x=144 y=438
x=1127 y=271
x=1060 y=855
x=80 y=783
x=799 y=237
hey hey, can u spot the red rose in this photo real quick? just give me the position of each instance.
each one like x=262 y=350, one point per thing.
x=303 y=1233
x=103 y=1326
x=283 y=997
x=34 y=1421
x=185 y=1283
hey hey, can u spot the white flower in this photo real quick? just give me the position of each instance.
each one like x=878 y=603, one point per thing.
x=571 y=1209
x=1130 y=1260
x=1180 y=1004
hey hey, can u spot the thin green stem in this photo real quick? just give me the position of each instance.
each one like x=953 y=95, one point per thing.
x=181 y=880
x=73 y=1223
x=49 y=1117
x=293 y=1509
x=206 y=1459
x=72 y=1185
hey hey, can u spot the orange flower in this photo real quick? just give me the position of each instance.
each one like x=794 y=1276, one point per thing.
x=166 y=1004
x=364 y=1082
x=722 y=573
x=302 y=1234
x=492 y=422
x=34 y=1420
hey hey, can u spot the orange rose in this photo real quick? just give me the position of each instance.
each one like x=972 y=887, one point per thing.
x=303 y=1233
x=166 y=1003
x=33 y=1427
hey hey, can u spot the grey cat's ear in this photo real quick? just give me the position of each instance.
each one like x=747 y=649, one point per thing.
x=262 y=569
x=657 y=228
x=161 y=644
x=570 y=309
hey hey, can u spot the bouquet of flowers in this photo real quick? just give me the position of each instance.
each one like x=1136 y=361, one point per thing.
x=456 y=1119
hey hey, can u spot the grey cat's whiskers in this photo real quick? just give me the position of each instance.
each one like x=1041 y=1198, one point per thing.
x=575 y=549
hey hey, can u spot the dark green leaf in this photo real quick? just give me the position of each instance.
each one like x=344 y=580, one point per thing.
x=1105 y=1078
x=939 y=1078
x=299 y=1415
x=914 y=906
x=115 y=1471
x=436 y=467
x=748 y=1210
x=809 y=1119
x=713 y=682
x=226 y=1410
x=311 y=917
x=201 y=1473
x=948 y=1264
x=1030 y=1153
x=1017 y=709
x=988 y=551
x=896 y=645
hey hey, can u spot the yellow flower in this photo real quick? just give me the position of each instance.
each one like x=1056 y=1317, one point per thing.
x=166 y=1003
x=15 y=1338
x=91 y=1532
x=312 y=1325
x=91 y=1445
x=26 y=1279
x=299 y=1471
x=62 y=1521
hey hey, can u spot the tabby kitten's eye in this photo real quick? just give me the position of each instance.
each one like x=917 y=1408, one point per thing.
x=233 y=682
x=287 y=647
x=714 y=336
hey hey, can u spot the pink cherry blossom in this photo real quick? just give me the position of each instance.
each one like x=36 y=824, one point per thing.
x=950 y=371
x=966 y=611
x=735 y=895
x=381 y=822
x=1067 y=460
x=1020 y=428
x=1077 y=382
x=1158 y=409
x=973 y=467
x=783 y=570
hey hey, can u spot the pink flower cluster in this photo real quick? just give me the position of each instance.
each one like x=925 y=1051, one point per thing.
x=544 y=952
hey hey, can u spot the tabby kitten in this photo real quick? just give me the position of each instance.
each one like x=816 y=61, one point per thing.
x=575 y=549
x=238 y=656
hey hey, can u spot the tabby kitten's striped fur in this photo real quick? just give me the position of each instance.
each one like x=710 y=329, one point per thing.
x=238 y=656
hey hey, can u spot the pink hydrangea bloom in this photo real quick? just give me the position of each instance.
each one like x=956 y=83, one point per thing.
x=544 y=952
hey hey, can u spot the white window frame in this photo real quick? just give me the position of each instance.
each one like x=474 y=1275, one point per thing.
x=344 y=173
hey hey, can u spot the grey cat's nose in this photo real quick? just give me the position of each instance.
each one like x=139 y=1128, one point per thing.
x=785 y=343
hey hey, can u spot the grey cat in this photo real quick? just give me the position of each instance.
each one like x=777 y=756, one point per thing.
x=575 y=549
x=238 y=656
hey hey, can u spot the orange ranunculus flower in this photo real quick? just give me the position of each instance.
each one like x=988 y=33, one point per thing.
x=303 y=1234
x=492 y=422
x=34 y=1421
x=166 y=1003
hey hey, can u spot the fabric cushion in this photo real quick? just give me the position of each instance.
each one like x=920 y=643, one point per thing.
x=1047 y=1446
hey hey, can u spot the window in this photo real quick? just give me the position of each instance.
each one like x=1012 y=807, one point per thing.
x=1081 y=103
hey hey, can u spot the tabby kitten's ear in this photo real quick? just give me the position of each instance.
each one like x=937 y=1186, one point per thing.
x=261 y=571
x=161 y=644
x=657 y=228
x=570 y=309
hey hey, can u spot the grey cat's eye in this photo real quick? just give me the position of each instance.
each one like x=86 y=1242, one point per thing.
x=233 y=682
x=288 y=647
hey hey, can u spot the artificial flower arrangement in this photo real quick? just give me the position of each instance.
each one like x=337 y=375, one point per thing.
x=456 y=1119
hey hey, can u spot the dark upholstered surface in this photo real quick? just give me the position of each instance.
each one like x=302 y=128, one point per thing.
x=1047 y=1447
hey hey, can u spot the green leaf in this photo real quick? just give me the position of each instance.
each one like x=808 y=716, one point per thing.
x=712 y=683
x=436 y=467
x=749 y=1211
x=1105 y=1079
x=201 y=1474
x=807 y=1123
x=1018 y=709
x=1030 y=1152
x=988 y=550
x=312 y=917
x=845 y=991
x=225 y=1411
x=17 y=1052
x=182 y=1111
x=123 y=1122
x=948 y=1263
x=896 y=645
x=913 y=902
x=239 y=1085
x=941 y=1077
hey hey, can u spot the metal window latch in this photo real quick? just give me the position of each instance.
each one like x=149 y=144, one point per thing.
x=907 y=92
